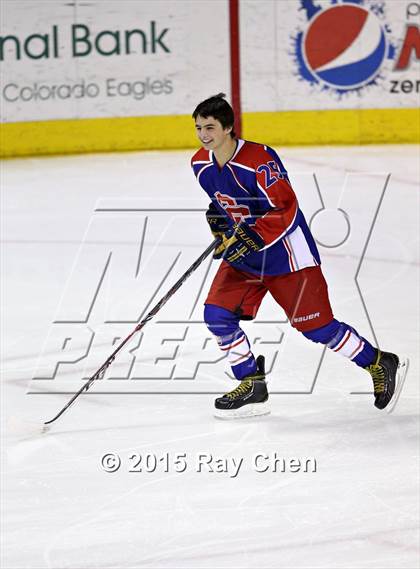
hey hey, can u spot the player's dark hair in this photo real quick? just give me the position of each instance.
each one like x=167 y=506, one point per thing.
x=218 y=108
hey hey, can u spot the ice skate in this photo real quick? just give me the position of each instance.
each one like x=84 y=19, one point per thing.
x=249 y=399
x=388 y=374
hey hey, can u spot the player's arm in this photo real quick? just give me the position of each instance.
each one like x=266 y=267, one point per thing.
x=274 y=188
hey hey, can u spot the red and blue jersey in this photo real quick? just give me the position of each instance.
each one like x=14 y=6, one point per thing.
x=253 y=187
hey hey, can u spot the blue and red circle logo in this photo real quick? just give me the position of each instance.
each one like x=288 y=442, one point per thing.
x=343 y=47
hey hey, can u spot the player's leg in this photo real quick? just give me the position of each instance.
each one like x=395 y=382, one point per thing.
x=231 y=339
x=304 y=296
x=385 y=368
x=234 y=296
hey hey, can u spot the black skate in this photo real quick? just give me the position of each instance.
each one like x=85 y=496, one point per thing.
x=246 y=400
x=388 y=374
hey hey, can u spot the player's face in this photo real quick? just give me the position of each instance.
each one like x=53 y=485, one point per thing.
x=211 y=133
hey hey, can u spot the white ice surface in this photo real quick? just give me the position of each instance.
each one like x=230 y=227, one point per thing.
x=360 y=509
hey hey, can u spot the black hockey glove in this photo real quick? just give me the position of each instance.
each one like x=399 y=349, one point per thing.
x=240 y=241
x=218 y=225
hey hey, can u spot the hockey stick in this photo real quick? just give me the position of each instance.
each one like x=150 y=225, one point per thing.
x=99 y=374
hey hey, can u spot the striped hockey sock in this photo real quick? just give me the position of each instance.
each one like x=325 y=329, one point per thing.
x=232 y=340
x=344 y=340
x=239 y=353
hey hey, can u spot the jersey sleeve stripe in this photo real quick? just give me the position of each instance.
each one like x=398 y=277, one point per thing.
x=282 y=234
x=265 y=193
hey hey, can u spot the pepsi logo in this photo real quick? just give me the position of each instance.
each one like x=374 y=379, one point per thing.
x=344 y=46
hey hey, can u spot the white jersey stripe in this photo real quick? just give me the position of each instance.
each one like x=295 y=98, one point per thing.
x=240 y=144
x=289 y=254
x=265 y=193
x=241 y=166
x=235 y=178
x=299 y=250
x=202 y=170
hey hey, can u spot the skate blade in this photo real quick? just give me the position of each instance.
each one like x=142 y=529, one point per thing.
x=251 y=410
x=400 y=379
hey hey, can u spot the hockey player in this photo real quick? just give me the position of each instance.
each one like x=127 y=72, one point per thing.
x=266 y=246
